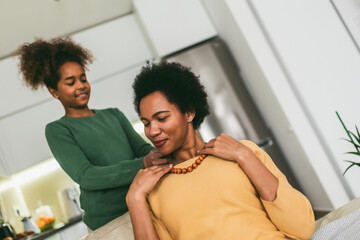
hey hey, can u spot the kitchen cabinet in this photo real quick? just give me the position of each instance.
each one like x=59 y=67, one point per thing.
x=173 y=25
x=14 y=95
x=116 y=45
x=22 y=140
x=119 y=49
x=59 y=19
x=116 y=91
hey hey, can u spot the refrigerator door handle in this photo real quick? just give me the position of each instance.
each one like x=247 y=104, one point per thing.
x=265 y=142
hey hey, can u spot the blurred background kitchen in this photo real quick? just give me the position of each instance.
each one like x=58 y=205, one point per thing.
x=275 y=70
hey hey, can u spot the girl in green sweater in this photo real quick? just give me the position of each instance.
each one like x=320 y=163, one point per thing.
x=98 y=149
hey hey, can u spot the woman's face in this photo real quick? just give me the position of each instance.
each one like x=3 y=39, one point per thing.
x=164 y=124
x=73 y=89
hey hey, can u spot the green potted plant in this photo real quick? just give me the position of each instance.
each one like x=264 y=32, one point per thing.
x=356 y=143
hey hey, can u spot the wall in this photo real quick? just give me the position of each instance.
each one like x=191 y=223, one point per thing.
x=290 y=57
x=322 y=66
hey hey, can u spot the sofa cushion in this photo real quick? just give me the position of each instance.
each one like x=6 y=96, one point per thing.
x=348 y=208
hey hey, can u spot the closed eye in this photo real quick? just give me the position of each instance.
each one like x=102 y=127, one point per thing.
x=162 y=119
x=70 y=83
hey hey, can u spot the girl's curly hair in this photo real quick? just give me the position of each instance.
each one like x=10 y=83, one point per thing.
x=41 y=60
x=178 y=83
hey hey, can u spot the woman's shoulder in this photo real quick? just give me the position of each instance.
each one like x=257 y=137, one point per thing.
x=258 y=151
x=250 y=144
x=212 y=160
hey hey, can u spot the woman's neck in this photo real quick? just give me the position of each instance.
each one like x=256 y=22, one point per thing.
x=79 y=113
x=189 y=149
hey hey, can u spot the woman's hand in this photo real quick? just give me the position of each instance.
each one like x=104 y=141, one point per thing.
x=154 y=158
x=145 y=181
x=226 y=147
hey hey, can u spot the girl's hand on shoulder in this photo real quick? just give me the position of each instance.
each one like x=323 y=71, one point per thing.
x=226 y=147
x=145 y=181
x=154 y=158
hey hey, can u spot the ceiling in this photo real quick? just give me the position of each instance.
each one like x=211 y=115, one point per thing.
x=23 y=20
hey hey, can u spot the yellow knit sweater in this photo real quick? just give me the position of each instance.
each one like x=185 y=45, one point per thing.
x=218 y=201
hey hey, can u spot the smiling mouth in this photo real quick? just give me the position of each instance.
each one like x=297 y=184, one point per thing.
x=82 y=95
x=159 y=143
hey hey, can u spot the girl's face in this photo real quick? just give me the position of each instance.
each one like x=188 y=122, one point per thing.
x=164 y=124
x=73 y=89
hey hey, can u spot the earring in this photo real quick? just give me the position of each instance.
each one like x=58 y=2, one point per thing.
x=189 y=120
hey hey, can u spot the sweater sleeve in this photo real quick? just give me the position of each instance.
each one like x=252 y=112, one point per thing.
x=75 y=163
x=138 y=144
x=291 y=211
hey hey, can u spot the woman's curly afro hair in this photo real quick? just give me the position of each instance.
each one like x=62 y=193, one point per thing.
x=41 y=60
x=178 y=83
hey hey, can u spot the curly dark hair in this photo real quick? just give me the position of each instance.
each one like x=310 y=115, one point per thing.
x=178 y=83
x=41 y=60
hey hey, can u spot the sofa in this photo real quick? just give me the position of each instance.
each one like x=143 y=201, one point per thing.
x=341 y=223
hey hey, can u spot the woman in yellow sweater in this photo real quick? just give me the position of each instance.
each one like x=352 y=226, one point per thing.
x=233 y=190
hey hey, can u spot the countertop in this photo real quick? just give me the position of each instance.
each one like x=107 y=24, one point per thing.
x=56 y=229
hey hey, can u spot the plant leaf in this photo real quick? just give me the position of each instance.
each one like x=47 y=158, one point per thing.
x=355 y=163
x=352 y=164
x=355 y=153
x=356 y=145
x=357 y=139
x=348 y=167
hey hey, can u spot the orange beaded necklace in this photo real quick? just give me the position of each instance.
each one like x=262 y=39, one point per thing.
x=189 y=168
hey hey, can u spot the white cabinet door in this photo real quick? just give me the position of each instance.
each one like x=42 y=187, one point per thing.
x=116 y=91
x=172 y=25
x=116 y=45
x=14 y=95
x=22 y=140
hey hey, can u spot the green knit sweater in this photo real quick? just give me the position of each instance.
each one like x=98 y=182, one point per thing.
x=102 y=154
